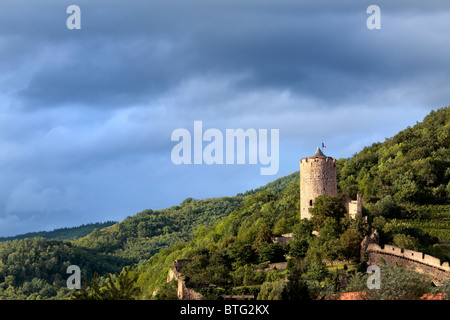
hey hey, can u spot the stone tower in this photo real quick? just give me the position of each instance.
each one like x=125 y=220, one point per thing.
x=317 y=177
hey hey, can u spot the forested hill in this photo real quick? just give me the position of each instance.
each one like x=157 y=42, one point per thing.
x=140 y=236
x=413 y=166
x=404 y=182
x=276 y=186
x=36 y=268
x=63 y=233
x=406 y=176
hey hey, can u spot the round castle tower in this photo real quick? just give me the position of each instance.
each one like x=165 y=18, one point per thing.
x=317 y=177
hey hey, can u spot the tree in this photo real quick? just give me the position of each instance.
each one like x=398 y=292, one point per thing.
x=243 y=275
x=388 y=208
x=296 y=287
x=272 y=252
x=298 y=248
x=303 y=230
x=330 y=250
x=115 y=287
x=349 y=186
x=379 y=222
x=168 y=291
x=317 y=271
x=406 y=241
x=330 y=230
x=218 y=270
x=271 y=290
x=444 y=288
x=241 y=253
x=399 y=283
x=326 y=207
x=282 y=226
x=350 y=244
x=264 y=235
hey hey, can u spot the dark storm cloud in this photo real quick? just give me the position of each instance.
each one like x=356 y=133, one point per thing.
x=101 y=74
x=130 y=52
x=86 y=115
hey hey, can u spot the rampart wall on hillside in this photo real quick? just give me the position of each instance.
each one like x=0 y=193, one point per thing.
x=183 y=292
x=422 y=262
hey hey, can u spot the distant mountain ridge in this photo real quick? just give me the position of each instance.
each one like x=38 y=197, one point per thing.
x=68 y=233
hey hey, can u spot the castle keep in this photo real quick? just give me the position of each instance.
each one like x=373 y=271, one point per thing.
x=318 y=177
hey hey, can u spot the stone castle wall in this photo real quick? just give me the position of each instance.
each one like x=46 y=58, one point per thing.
x=284 y=239
x=183 y=293
x=422 y=262
x=353 y=207
x=317 y=177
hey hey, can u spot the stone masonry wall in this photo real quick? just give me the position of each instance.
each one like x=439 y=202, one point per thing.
x=183 y=292
x=422 y=262
x=317 y=177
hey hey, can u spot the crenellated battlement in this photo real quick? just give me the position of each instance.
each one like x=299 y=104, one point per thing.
x=311 y=160
x=410 y=255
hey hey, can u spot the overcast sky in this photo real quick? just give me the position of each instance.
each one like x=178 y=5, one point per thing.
x=86 y=116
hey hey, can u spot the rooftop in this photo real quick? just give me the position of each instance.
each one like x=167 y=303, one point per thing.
x=318 y=153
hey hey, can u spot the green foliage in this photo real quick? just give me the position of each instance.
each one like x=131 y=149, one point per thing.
x=276 y=186
x=350 y=244
x=63 y=233
x=244 y=275
x=298 y=248
x=317 y=272
x=303 y=230
x=167 y=291
x=115 y=287
x=330 y=230
x=405 y=186
x=272 y=290
x=410 y=167
x=388 y=208
x=241 y=253
x=296 y=287
x=379 y=222
x=397 y=283
x=272 y=252
x=284 y=225
x=241 y=239
x=405 y=235
x=406 y=241
x=38 y=266
x=141 y=236
x=444 y=288
x=326 y=207
x=438 y=228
